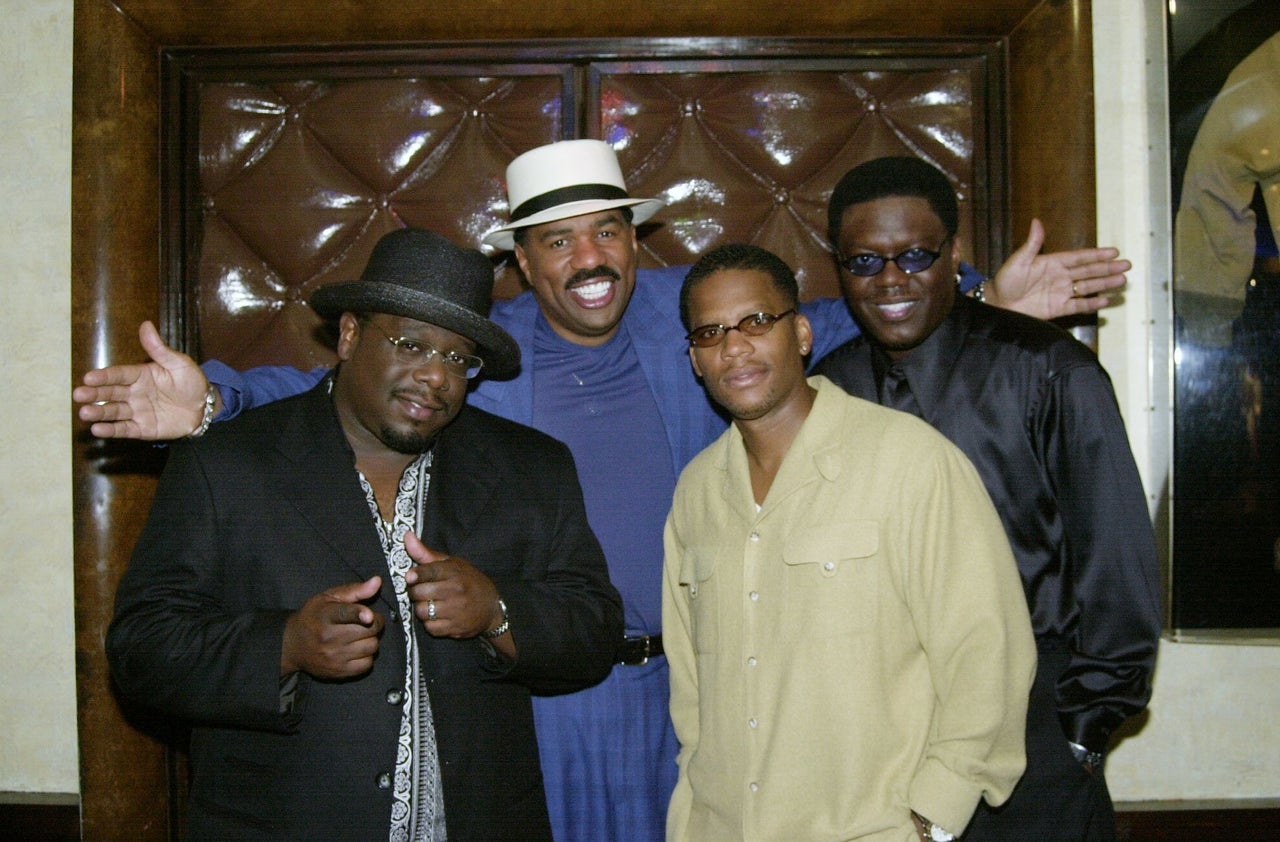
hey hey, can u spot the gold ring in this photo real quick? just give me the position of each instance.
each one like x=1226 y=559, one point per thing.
x=1075 y=291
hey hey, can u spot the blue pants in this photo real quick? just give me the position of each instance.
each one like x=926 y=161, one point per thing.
x=609 y=757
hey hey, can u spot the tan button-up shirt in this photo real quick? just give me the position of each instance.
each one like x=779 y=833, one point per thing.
x=856 y=648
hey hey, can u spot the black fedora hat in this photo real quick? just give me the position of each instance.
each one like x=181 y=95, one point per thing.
x=420 y=275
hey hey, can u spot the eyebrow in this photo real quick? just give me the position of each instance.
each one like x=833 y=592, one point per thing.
x=420 y=333
x=614 y=218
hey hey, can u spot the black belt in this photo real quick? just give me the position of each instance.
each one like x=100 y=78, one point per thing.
x=635 y=650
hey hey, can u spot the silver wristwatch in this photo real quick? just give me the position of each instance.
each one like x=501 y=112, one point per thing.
x=1091 y=760
x=933 y=832
x=939 y=834
x=502 y=627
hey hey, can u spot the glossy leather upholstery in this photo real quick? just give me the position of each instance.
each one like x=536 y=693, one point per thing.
x=297 y=180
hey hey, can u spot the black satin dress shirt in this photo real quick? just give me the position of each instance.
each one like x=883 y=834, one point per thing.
x=1035 y=412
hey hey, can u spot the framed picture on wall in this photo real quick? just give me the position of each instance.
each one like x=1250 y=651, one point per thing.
x=1224 y=103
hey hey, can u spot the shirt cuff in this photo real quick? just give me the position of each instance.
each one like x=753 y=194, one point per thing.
x=943 y=797
x=227 y=381
x=288 y=694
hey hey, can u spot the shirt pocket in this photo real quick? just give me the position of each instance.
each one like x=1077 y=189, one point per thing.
x=701 y=585
x=832 y=581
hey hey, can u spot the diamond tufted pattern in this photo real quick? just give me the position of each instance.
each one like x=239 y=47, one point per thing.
x=298 y=179
x=753 y=156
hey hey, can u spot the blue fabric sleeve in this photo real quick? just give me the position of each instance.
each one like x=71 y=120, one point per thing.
x=257 y=386
x=969 y=278
x=832 y=325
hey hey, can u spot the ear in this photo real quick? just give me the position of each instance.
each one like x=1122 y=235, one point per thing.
x=693 y=360
x=804 y=333
x=522 y=260
x=348 y=335
x=955 y=251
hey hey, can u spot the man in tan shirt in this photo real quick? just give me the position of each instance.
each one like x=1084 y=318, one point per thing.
x=849 y=643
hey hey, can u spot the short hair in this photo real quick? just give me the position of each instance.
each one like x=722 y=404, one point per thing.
x=521 y=235
x=893 y=176
x=739 y=256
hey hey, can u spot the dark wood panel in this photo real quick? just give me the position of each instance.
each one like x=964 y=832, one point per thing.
x=117 y=208
x=1051 y=134
x=1226 y=825
x=39 y=822
x=115 y=217
x=1051 y=130
x=338 y=21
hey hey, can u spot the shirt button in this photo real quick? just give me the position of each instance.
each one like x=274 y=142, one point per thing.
x=755 y=596
x=755 y=536
x=830 y=565
x=752 y=722
x=751 y=662
x=395 y=697
x=384 y=780
x=753 y=786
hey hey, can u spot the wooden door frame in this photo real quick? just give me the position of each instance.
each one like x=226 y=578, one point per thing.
x=119 y=197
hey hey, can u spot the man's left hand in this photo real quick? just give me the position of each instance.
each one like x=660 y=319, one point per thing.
x=450 y=596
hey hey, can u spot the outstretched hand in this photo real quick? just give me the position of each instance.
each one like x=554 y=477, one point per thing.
x=334 y=635
x=1061 y=283
x=162 y=399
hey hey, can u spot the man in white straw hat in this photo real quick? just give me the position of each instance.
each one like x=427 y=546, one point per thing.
x=605 y=370
x=330 y=590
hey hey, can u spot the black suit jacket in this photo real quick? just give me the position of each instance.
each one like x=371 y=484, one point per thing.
x=266 y=511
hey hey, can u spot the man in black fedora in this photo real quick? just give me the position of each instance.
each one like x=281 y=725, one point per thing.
x=351 y=593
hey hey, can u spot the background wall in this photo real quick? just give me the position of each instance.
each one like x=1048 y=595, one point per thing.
x=1214 y=727
x=37 y=670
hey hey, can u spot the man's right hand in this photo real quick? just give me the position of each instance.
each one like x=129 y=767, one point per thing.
x=333 y=635
x=162 y=399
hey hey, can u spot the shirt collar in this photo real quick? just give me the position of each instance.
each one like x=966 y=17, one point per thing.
x=928 y=367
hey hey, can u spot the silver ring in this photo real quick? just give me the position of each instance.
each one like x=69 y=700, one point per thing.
x=431 y=609
x=1075 y=292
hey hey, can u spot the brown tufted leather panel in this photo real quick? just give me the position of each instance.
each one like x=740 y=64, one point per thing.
x=752 y=155
x=298 y=181
x=298 y=178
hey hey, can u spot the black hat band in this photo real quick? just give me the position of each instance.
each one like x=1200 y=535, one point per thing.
x=564 y=195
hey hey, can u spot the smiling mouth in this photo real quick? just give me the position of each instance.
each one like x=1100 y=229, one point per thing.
x=594 y=294
x=418 y=407
x=594 y=291
x=896 y=311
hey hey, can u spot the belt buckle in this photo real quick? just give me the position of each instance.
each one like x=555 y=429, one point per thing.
x=628 y=658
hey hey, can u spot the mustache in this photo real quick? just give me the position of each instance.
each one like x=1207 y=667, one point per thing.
x=590 y=274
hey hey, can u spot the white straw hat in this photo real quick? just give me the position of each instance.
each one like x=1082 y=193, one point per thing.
x=565 y=179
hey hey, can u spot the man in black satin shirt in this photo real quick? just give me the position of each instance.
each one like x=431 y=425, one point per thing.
x=1035 y=412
